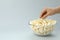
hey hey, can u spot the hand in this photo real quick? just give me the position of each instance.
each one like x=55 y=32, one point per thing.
x=47 y=12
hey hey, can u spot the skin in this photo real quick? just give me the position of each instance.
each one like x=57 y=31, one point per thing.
x=49 y=11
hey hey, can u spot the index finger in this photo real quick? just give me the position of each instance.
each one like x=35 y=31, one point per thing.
x=43 y=13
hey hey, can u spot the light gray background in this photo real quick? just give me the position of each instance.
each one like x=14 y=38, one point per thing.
x=15 y=15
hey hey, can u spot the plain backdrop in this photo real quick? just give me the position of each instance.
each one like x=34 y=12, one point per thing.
x=16 y=14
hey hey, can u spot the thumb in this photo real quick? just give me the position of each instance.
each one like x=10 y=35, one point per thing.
x=45 y=15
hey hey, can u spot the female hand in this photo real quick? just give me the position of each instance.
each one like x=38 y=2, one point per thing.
x=47 y=12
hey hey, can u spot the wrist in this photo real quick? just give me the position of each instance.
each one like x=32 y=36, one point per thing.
x=57 y=10
x=54 y=10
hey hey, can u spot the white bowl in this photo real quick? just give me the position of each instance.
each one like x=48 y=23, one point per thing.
x=42 y=29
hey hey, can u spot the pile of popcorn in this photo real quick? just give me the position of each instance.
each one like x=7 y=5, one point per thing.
x=42 y=26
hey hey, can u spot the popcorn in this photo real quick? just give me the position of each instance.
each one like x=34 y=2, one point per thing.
x=42 y=26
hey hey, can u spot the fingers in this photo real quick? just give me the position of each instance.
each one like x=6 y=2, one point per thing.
x=47 y=14
x=43 y=13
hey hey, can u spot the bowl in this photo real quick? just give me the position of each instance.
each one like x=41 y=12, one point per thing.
x=42 y=26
